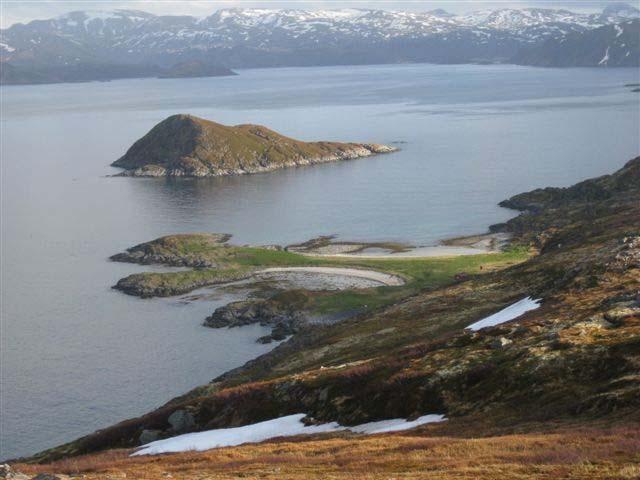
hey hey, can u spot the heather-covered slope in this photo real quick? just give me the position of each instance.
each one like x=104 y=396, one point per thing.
x=626 y=180
x=445 y=451
x=570 y=213
x=184 y=145
x=573 y=360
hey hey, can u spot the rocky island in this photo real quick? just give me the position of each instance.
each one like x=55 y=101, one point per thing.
x=189 y=146
x=195 y=68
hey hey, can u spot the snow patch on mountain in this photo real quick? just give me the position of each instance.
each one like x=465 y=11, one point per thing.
x=233 y=26
x=287 y=36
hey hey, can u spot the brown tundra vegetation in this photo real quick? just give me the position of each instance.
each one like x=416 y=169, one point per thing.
x=554 y=394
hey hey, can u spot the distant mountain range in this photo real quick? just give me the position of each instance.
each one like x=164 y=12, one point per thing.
x=101 y=45
x=614 y=45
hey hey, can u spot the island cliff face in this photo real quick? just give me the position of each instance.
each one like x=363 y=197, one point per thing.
x=184 y=145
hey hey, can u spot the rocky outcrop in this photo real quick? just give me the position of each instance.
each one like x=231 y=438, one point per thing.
x=553 y=218
x=8 y=473
x=181 y=421
x=168 y=284
x=170 y=251
x=188 y=146
x=284 y=318
x=594 y=190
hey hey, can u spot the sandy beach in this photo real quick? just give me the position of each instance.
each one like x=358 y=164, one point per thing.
x=383 y=278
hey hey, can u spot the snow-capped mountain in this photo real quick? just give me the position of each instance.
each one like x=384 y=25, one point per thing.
x=617 y=10
x=614 y=45
x=257 y=37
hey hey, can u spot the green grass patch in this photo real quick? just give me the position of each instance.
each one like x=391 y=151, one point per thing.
x=233 y=262
x=262 y=257
x=420 y=274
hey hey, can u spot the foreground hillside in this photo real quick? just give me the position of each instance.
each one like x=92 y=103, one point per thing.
x=185 y=145
x=555 y=392
x=455 y=451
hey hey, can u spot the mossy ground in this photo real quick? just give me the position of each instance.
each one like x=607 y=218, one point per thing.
x=420 y=274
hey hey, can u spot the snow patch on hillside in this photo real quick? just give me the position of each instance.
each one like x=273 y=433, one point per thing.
x=506 y=314
x=278 y=427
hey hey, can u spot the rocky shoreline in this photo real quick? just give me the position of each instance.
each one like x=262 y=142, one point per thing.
x=147 y=253
x=285 y=319
x=146 y=285
x=350 y=153
x=285 y=310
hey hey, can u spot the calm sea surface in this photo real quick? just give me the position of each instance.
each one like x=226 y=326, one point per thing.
x=77 y=356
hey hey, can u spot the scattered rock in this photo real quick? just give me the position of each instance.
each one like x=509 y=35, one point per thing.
x=148 y=436
x=324 y=395
x=595 y=322
x=276 y=248
x=552 y=336
x=461 y=277
x=181 y=421
x=7 y=472
x=628 y=255
x=45 y=476
x=285 y=319
x=618 y=315
x=501 y=342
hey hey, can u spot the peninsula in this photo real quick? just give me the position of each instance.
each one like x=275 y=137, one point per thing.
x=188 y=146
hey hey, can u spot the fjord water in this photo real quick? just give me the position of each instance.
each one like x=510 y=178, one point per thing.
x=77 y=356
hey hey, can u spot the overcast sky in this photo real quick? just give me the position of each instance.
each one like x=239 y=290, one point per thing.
x=13 y=11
